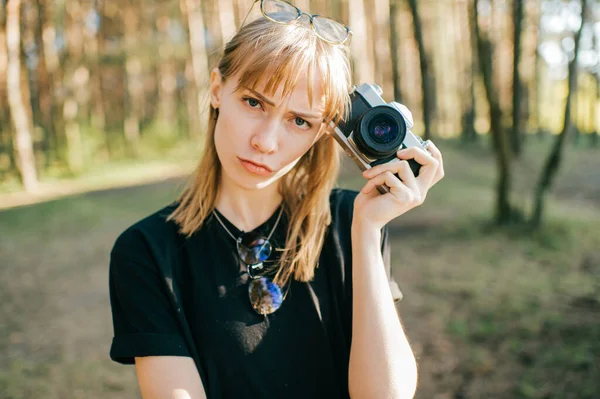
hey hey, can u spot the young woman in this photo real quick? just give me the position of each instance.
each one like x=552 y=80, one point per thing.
x=263 y=280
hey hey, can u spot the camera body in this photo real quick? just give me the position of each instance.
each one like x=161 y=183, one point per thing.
x=375 y=130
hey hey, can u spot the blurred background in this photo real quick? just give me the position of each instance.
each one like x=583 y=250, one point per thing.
x=102 y=113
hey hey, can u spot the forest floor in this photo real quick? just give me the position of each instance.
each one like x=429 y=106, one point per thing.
x=490 y=313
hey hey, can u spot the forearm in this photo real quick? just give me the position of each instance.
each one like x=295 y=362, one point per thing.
x=382 y=364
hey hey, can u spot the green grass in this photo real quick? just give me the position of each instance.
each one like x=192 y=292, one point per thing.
x=491 y=313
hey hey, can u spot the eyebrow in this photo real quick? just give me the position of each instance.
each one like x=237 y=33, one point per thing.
x=261 y=97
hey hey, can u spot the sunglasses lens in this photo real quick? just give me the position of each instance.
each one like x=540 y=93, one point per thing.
x=265 y=295
x=254 y=248
x=279 y=11
x=330 y=30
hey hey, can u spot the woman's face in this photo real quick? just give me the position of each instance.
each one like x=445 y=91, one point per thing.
x=270 y=130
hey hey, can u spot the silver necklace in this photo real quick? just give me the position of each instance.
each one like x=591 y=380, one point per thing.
x=237 y=239
x=250 y=267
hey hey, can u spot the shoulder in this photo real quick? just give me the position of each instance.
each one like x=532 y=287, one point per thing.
x=342 y=201
x=342 y=205
x=148 y=235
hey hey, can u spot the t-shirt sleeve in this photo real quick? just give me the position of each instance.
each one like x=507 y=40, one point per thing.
x=144 y=321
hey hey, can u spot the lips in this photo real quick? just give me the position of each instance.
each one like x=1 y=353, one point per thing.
x=255 y=167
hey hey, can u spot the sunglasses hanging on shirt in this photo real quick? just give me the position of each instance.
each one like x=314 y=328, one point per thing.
x=253 y=249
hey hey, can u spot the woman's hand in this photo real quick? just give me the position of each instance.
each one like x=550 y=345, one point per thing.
x=374 y=209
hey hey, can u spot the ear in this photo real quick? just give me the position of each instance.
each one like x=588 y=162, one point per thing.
x=216 y=86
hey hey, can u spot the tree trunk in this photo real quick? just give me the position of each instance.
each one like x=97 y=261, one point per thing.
x=427 y=84
x=504 y=210
x=96 y=52
x=370 y=38
x=135 y=85
x=596 y=103
x=191 y=9
x=554 y=159
x=72 y=81
x=381 y=34
x=363 y=68
x=46 y=88
x=469 y=45
x=193 y=118
x=23 y=141
x=6 y=144
x=227 y=19
x=596 y=133
x=239 y=10
x=394 y=49
x=30 y=86
x=516 y=132
x=575 y=110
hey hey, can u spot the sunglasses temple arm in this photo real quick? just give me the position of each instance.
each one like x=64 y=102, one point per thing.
x=248 y=13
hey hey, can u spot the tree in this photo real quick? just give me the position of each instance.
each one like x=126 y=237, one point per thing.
x=504 y=209
x=553 y=161
x=23 y=141
x=427 y=82
x=201 y=70
x=45 y=85
x=394 y=44
x=5 y=133
x=469 y=110
x=133 y=68
x=596 y=104
x=363 y=69
x=515 y=137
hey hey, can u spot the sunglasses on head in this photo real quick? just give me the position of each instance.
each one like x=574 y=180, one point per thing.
x=282 y=12
x=253 y=249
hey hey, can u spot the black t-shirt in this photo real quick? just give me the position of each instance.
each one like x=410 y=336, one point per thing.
x=173 y=296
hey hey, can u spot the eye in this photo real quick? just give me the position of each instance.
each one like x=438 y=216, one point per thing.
x=252 y=102
x=302 y=123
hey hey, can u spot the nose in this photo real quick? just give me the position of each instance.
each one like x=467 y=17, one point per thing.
x=265 y=139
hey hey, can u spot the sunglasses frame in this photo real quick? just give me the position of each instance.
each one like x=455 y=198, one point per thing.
x=251 y=268
x=311 y=18
x=257 y=265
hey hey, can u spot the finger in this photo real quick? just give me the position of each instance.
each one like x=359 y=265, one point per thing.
x=400 y=167
x=436 y=153
x=429 y=165
x=397 y=189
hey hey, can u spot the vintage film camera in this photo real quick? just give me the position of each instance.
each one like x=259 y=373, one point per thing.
x=375 y=130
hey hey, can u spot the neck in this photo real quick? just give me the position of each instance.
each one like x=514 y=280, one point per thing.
x=247 y=209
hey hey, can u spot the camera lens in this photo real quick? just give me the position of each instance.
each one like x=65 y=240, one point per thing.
x=381 y=130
